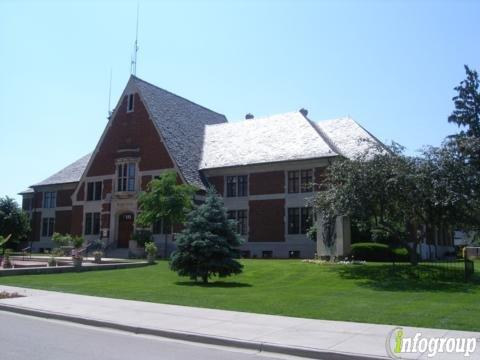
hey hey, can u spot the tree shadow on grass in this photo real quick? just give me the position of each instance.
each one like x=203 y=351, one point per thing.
x=404 y=277
x=215 y=284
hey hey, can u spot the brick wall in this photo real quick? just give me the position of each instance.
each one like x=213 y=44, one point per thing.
x=272 y=182
x=217 y=183
x=105 y=221
x=77 y=220
x=107 y=188
x=63 y=221
x=64 y=197
x=266 y=220
x=130 y=131
x=26 y=203
x=145 y=180
x=81 y=192
x=36 y=225
x=38 y=199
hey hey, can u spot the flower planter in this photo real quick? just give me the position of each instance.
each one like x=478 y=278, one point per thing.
x=97 y=258
x=151 y=258
x=77 y=261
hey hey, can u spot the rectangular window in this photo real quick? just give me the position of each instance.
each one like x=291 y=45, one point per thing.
x=305 y=219
x=88 y=223
x=94 y=191
x=237 y=186
x=49 y=199
x=240 y=216
x=293 y=220
x=96 y=223
x=92 y=223
x=294 y=254
x=306 y=180
x=267 y=254
x=231 y=186
x=242 y=222
x=130 y=102
x=126 y=177
x=299 y=220
x=131 y=177
x=161 y=227
x=293 y=181
x=48 y=225
x=245 y=254
x=242 y=185
x=157 y=227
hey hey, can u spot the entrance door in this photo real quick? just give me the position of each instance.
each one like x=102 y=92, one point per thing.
x=125 y=229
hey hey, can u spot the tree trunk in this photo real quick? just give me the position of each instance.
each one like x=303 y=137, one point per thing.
x=205 y=278
x=412 y=252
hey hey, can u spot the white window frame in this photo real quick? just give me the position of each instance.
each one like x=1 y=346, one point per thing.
x=125 y=188
x=236 y=183
x=235 y=217
x=50 y=223
x=50 y=200
x=95 y=187
x=91 y=229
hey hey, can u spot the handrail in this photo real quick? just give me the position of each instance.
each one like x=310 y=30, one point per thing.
x=25 y=251
x=108 y=246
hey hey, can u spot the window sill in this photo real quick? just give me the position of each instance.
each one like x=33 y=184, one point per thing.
x=125 y=194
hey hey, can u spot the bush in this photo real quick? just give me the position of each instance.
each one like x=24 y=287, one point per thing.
x=378 y=252
x=61 y=240
x=401 y=254
x=77 y=242
x=151 y=248
x=142 y=237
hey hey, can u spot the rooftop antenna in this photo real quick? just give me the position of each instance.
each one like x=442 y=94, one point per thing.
x=133 y=64
x=110 y=95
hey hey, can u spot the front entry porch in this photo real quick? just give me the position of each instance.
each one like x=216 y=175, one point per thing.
x=125 y=230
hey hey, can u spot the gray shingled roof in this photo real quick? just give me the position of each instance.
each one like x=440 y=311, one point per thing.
x=72 y=173
x=347 y=137
x=182 y=125
x=198 y=138
x=280 y=137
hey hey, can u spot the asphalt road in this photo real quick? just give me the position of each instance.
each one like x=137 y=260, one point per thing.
x=30 y=338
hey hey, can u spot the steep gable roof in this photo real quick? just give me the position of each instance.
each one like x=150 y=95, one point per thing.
x=181 y=124
x=280 y=137
x=71 y=173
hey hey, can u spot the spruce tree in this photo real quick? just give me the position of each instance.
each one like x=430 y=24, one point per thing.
x=208 y=246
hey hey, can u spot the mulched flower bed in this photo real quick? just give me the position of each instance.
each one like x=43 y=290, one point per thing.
x=7 y=295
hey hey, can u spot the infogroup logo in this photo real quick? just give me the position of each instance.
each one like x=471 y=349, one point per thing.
x=398 y=345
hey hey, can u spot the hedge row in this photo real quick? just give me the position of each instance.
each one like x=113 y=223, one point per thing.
x=378 y=252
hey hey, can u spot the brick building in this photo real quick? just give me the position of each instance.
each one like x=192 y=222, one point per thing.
x=263 y=168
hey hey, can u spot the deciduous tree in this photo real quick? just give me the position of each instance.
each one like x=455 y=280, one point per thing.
x=165 y=200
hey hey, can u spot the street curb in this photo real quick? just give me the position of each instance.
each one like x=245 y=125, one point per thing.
x=195 y=337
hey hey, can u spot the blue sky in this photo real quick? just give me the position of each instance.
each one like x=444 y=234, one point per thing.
x=391 y=65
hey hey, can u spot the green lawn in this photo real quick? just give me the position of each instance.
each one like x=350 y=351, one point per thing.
x=365 y=293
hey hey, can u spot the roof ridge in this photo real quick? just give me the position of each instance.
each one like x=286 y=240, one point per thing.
x=241 y=121
x=179 y=96
x=324 y=136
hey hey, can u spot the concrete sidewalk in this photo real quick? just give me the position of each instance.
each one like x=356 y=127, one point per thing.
x=294 y=336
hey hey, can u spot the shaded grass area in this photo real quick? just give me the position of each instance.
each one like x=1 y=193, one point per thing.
x=364 y=293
